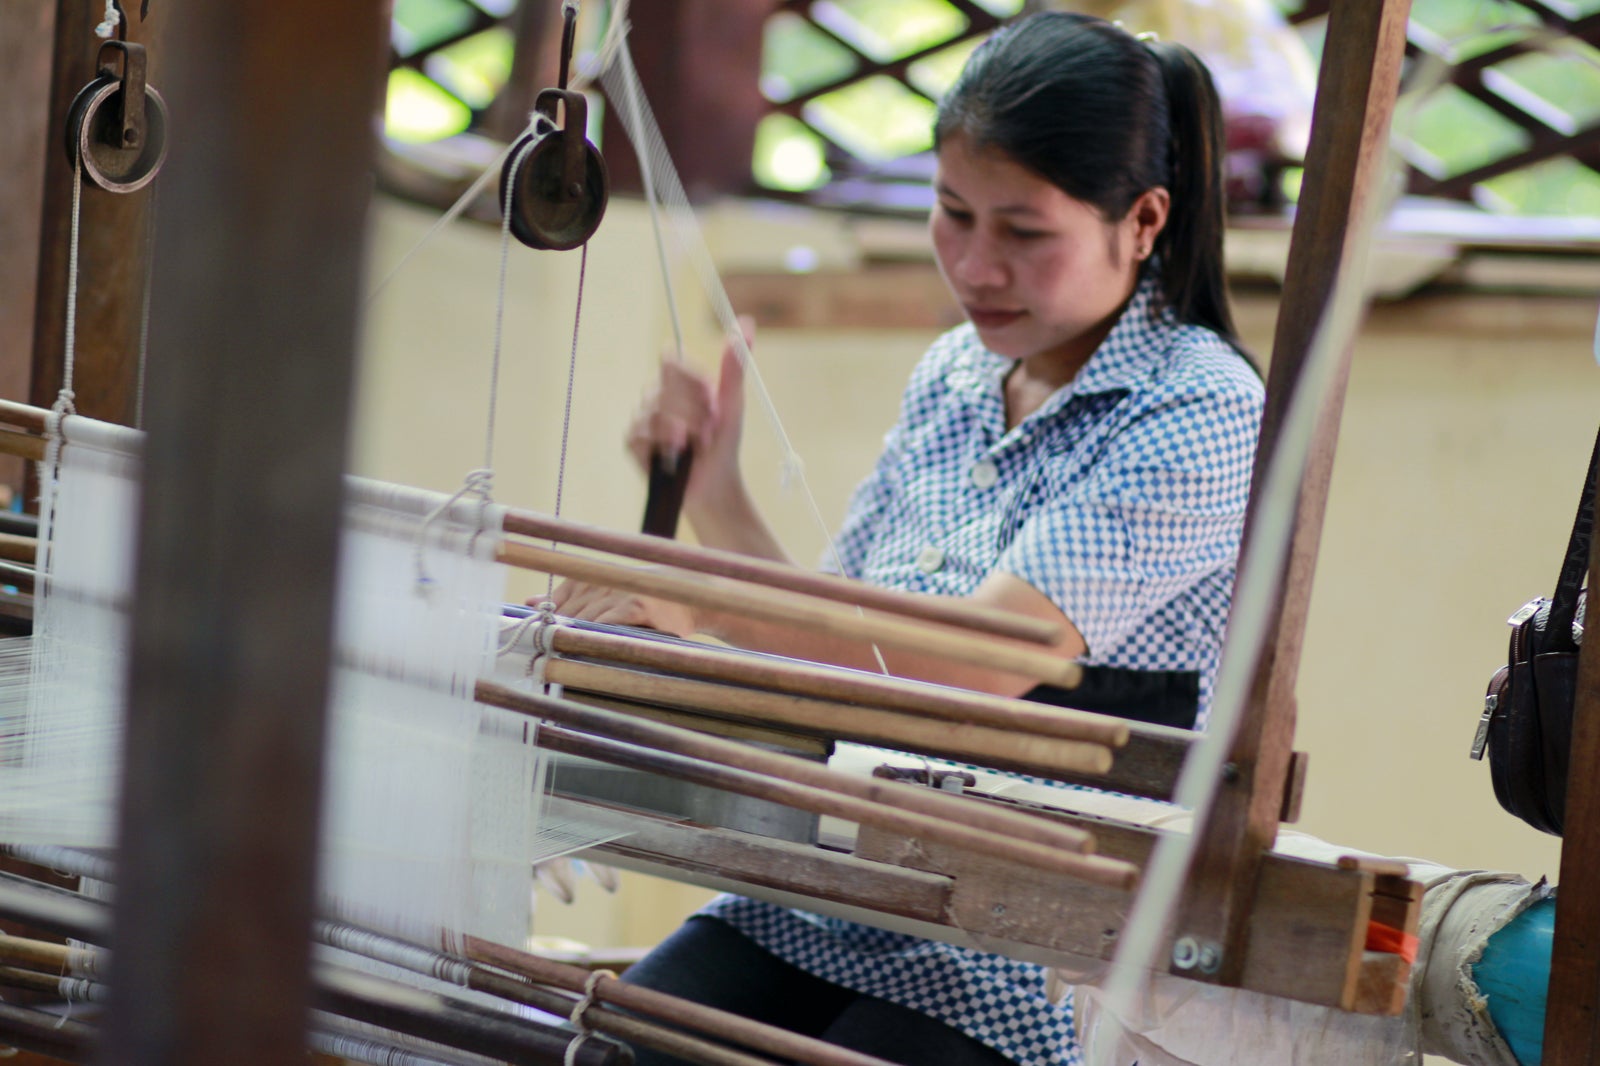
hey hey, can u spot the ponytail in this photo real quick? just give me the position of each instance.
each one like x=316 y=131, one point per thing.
x=1193 y=277
x=1105 y=117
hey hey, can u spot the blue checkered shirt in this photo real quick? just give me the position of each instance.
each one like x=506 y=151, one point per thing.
x=1121 y=498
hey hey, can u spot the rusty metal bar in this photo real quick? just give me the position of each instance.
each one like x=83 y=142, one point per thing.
x=257 y=291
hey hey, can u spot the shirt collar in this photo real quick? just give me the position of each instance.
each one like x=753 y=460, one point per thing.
x=1130 y=356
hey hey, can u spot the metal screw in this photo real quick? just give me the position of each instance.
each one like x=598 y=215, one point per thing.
x=1210 y=957
x=1186 y=953
x=132 y=136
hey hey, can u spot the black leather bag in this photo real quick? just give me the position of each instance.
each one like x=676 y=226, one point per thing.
x=1526 y=725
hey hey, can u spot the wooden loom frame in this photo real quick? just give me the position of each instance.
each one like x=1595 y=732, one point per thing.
x=1242 y=899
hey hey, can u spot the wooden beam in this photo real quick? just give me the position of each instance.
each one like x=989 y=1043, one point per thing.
x=113 y=242
x=257 y=294
x=699 y=62
x=27 y=32
x=1572 y=1011
x=535 y=58
x=1356 y=93
x=1307 y=928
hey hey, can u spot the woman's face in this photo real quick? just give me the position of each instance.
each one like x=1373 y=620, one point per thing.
x=1038 y=272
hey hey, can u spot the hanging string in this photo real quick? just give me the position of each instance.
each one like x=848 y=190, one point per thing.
x=577 y=1018
x=621 y=82
x=64 y=404
x=144 y=310
x=566 y=412
x=489 y=173
x=108 y=25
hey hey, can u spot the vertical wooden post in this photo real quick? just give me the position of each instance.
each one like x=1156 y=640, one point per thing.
x=257 y=293
x=1572 y=1012
x=27 y=29
x=112 y=259
x=699 y=61
x=1356 y=92
x=535 y=57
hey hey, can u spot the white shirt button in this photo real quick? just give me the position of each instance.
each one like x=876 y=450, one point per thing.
x=984 y=474
x=930 y=559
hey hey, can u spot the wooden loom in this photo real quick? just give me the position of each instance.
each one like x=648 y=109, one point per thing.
x=1252 y=908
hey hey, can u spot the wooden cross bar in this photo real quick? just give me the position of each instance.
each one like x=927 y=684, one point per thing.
x=1356 y=93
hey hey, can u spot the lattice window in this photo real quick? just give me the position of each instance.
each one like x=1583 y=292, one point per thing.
x=851 y=85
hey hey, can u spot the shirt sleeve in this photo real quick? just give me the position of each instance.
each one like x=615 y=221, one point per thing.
x=1162 y=509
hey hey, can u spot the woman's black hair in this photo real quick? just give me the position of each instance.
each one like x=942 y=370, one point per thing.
x=1105 y=117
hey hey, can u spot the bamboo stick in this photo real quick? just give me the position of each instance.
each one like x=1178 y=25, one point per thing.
x=1042 y=756
x=945 y=610
x=801 y=612
x=844 y=686
x=992 y=828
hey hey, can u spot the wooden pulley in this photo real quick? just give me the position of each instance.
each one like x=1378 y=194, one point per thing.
x=560 y=188
x=117 y=125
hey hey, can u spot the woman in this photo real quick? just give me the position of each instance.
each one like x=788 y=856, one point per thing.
x=1079 y=451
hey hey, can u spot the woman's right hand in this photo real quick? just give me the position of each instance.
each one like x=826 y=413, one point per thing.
x=686 y=410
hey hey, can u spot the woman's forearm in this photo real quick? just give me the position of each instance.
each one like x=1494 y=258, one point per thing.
x=731 y=522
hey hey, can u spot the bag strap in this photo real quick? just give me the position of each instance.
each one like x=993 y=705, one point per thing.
x=1564 y=606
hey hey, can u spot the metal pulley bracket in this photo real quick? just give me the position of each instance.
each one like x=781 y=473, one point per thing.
x=554 y=182
x=558 y=193
x=117 y=125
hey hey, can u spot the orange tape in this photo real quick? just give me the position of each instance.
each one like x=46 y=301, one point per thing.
x=1387 y=938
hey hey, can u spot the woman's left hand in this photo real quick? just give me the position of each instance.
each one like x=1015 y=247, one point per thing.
x=595 y=603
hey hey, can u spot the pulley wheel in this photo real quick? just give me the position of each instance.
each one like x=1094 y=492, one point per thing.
x=543 y=213
x=91 y=122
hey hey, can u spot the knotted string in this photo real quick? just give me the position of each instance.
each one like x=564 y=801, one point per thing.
x=578 y=1019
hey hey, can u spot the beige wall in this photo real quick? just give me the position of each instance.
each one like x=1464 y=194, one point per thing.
x=1464 y=439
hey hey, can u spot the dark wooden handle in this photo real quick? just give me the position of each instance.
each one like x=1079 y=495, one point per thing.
x=668 y=480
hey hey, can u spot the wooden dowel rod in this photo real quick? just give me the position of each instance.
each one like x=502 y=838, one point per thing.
x=844 y=686
x=453 y=968
x=58 y=958
x=17 y=575
x=1091 y=868
x=767 y=1039
x=989 y=819
x=945 y=610
x=22 y=445
x=23 y=416
x=679 y=741
x=56 y=1038
x=17 y=548
x=449 y=1020
x=679 y=1045
x=32 y=980
x=1020 y=752
x=799 y=612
